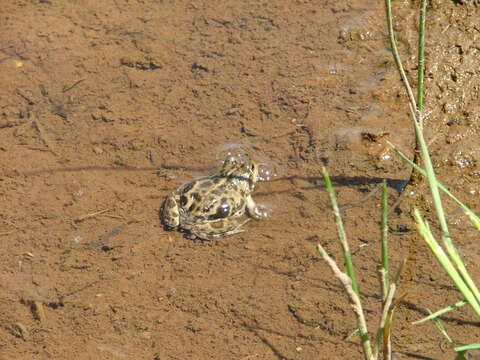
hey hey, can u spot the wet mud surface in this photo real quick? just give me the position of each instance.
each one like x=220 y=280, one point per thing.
x=108 y=106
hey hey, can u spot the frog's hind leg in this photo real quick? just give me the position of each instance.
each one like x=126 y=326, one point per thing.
x=170 y=213
x=217 y=228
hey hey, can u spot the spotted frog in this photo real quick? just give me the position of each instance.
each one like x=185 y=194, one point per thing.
x=210 y=206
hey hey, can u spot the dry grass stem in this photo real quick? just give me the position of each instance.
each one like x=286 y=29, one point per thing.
x=354 y=302
x=39 y=311
x=91 y=215
x=388 y=307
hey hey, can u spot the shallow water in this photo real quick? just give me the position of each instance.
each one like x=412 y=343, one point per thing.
x=124 y=101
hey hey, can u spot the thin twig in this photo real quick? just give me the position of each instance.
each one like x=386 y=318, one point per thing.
x=354 y=302
x=65 y=89
x=384 y=326
x=90 y=215
x=25 y=97
x=72 y=292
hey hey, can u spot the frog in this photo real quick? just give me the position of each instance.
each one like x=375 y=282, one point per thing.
x=211 y=206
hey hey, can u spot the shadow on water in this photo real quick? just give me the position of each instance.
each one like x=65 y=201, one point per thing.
x=317 y=182
x=343 y=181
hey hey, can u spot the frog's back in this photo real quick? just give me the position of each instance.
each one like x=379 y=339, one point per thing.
x=210 y=198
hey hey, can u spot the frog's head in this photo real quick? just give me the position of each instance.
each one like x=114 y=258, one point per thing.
x=240 y=168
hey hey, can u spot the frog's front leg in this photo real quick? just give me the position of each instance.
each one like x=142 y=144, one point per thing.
x=171 y=212
x=216 y=228
x=253 y=209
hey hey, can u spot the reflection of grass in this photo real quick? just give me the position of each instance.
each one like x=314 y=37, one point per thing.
x=447 y=256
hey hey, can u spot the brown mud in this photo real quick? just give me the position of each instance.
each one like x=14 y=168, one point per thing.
x=107 y=106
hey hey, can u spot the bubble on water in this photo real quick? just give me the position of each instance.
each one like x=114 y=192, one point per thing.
x=266 y=172
x=79 y=193
x=459 y=219
x=463 y=160
x=237 y=151
x=385 y=157
x=264 y=211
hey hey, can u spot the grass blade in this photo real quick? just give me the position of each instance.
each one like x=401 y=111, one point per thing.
x=441 y=328
x=341 y=231
x=347 y=283
x=421 y=55
x=396 y=55
x=434 y=186
x=384 y=246
x=467 y=347
x=445 y=263
x=440 y=312
x=473 y=217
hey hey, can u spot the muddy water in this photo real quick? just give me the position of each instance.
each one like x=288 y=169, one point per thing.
x=108 y=106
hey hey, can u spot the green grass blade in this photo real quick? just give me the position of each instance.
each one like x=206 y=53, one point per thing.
x=467 y=347
x=473 y=217
x=440 y=312
x=396 y=55
x=417 y=117
x=446 y=264
x=433 y=184
x=384 y=245
x=434 y=187
x=341 y=231
x=437 y=203
x=441 y=328
x=421 y=55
